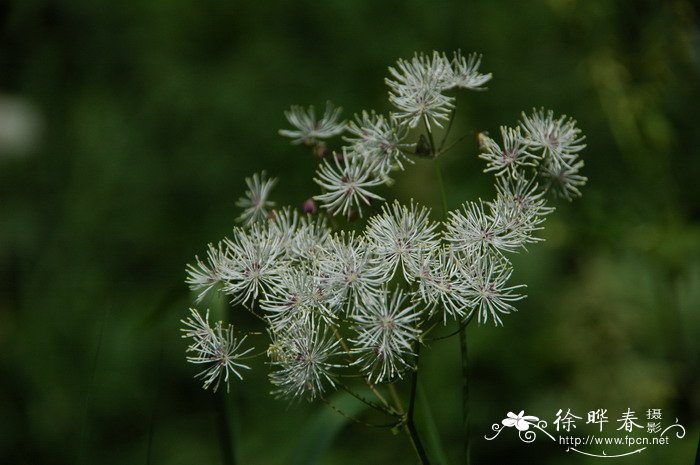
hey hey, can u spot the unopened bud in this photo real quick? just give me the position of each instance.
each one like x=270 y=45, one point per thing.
x=320 y=150
x=309 y=206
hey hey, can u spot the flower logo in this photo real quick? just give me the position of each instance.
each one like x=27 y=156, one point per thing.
x=520 y=421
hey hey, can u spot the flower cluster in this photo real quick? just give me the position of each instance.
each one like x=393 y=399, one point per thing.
x=339 y=301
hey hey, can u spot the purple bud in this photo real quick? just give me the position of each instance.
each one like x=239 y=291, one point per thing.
x=309 y=206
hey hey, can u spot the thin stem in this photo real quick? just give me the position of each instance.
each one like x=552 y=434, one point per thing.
x=357 y=420
x=228 y=456
x=396 y=398
x=410 y=425
x=441 y=186
x=430 y=136
x=461 y=326
x=371 y=386
x=447 y=133
x=451 y=146
x=367 y=402
x=465 y=392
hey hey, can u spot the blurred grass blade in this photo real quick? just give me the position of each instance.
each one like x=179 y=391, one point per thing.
x=433 y=435
x=320 y=431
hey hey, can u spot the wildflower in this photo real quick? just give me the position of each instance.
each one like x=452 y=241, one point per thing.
x=475 y=231
x=416 y=90
x=203 y=276
x=303 y=354
x=307 y=129
x=399 y=234
x=379 y=140
x=442 y=284
x=508 y=159
x=349 y=269
x=283 y=224
x=216 y=347
x=257 y=260
x=309 y=239
x=564 y=179
x=557 y=137
x=488 y=294
x=346 y=184
x=255 y=201
x=465 y=72
x=387 y=329
x=520 y=207
x=298 y=296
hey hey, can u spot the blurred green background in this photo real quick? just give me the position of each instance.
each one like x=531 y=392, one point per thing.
x=127 y=128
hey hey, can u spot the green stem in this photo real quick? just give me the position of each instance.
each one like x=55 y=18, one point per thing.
x=441 y=186
x=430 y=136
x=451 y=146
x=410 y=424
x=447 y=133
x=465 y=392
x=228 y=456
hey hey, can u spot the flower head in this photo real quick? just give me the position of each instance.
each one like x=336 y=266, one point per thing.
x=557 y=137
x=216 y=347
x=257 y=260
x=255 y=201
x=379 y=140
x=443 y=284
x=488 y=293
x=203 y=276
x=475 y=230
x=465 y=72
x=303 y=360
x=307 y=129
x=416 y=89
x=563 y=179
x=346 y=184
x=349 y=269
x=399 y=235
x=511 y=157
x=387 y=329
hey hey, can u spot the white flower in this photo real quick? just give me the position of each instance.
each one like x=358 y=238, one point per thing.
x=387 y=331
x=346 y=184
x=475 y=231
x=216 y=347
x=255 y=201
x=489 y=296
x=399 y=235
x=520 y=207
x=202 y=276
x=563 y=179
x=348 y=268
x=509 y=158
x=308 y=130
x=302 y=356
x=309 y=239
x=557 y=137
x=284 y=223
x=298 y=297
x=465 y=72
x=379 y=139
x=417 y=89
x=443 y=284
x=257 y=259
